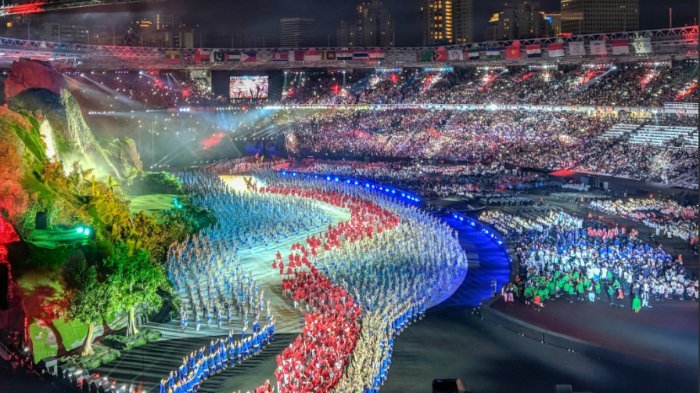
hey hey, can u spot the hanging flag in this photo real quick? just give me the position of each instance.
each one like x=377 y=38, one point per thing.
x=279 y=56
x=493 y=53
x=512 y=52
x=534 y=50
x=441 y=54
x=642 y=45
x=218 y=56
x=455 y=55
x=377 y=54
x=598 y=48
x=576 y=48
x=343 y=55
x=312 y=55
x=329 y=55
x=202 y=56
x=555 y=50
x=360 y=55
x=620 y=47
x=425 y=56
x=473 y=54
x=249 y=57
x=232 y=56
x=296 y=55
x=172 y=54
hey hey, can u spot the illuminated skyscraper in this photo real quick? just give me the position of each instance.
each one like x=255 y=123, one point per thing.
x=599 y=16
x=438 y=19
x=519 y=19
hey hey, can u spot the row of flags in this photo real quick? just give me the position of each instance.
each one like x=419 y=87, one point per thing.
x=328 y=55
x=575 y=48
x=206 y=56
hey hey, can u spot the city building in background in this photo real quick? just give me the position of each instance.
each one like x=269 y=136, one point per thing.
x=552 y=23
x=517 y=20
x=438 y=18
x=463 y=15
x=599 y=16
x=373 y=26
x=296 y=32
x=163 y=31
x=346 y=35
x=59 y=32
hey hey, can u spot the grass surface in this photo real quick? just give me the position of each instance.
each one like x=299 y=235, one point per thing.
x=151 y=203
x=45 y=302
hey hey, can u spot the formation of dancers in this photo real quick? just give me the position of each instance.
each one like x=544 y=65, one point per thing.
x=359 y=283
x=220 y=354
x=252 y=220
x=393 y=261
x=207 y=274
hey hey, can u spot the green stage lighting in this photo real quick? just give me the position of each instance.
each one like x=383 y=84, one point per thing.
x=82 y=230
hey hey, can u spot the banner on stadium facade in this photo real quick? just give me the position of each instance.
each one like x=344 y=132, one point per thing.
x=312 y=55
x=343 y=55
x=455 y=55
x=280 y=56
x=576 y=48
x=555 y=50
x=598 y=48
x=360 y=55
x=296 y=55
x=202 y=56
x=249 y=56
x=172 y=54
x=232 y=56
x=534 y=50
x=217 y=56
x=377 y=54
x=513 y=52
x=642 y=45
x=425 y=56
x=441 y=54
x=620 y=47
x=473 y=54
x=329 y=55
x=493 y=53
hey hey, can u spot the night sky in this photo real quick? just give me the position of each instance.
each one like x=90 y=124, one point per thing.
x=219 y=18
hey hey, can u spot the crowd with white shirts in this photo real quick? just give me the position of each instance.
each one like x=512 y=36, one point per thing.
x=563 y=256
x=667 y=217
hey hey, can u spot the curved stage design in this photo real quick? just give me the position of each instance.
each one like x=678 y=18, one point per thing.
x=362 y=263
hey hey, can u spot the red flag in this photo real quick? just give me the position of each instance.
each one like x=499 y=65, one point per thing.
x=512 y=52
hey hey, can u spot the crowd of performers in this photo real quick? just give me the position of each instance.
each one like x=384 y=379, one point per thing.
x=578 y=260
x=360 y=283
x=253 y=220
x=206 y=272
x=220 y=354
x=667 y=217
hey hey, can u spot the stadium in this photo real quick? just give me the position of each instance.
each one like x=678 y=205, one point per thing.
x=506 y=215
